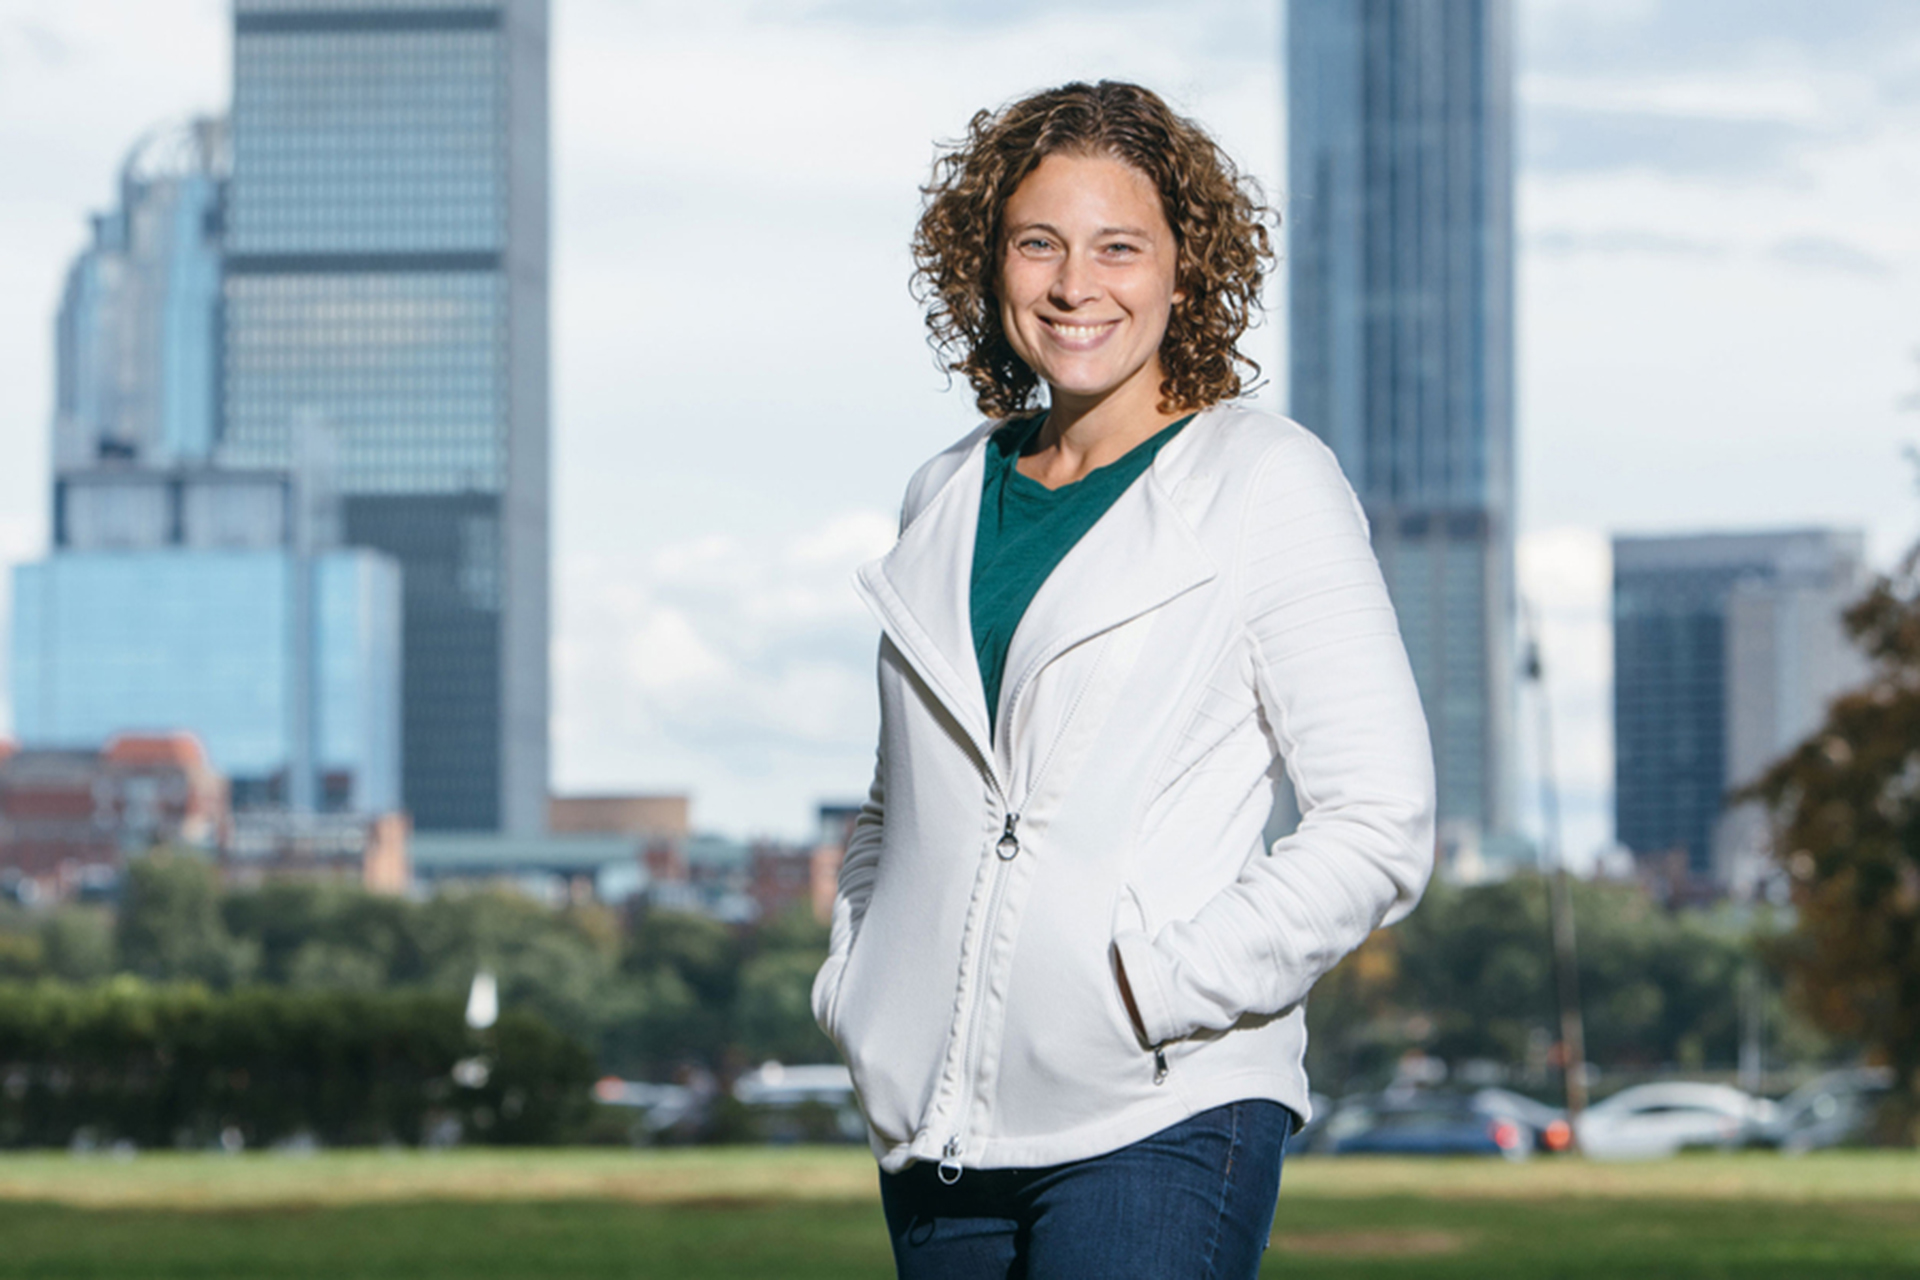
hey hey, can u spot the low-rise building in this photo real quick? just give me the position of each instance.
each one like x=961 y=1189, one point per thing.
x=371 y=851
x=69 y=818
x=553 y=868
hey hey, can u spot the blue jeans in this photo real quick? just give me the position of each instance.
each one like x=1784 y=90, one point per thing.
x=1193 y=1202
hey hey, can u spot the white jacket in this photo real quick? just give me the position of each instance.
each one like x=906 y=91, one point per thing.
x=1225 y=615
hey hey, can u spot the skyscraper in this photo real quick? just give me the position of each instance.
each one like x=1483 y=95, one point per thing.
x=386 y=275
x=1400 y=208
x=181 y=595
x=1726 y=649
x=137 y=339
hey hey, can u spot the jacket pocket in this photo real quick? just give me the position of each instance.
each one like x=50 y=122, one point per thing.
x=826 y=992
x=1130 y=915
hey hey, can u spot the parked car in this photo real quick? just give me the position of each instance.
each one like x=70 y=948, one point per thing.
x=660 y=1109
x=1426 y=1122
x=1828 y=1111
x=1551 y=1132
x=1653 y=1120
x=808 y=1103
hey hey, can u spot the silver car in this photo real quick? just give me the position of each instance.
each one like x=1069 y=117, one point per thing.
x=1653 y=1120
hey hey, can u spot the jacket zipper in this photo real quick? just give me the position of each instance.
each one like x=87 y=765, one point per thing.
x=1005 y=849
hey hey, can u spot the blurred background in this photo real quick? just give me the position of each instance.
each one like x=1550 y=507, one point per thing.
x=438 y=435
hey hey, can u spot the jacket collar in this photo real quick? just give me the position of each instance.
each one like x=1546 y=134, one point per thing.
x=1142 y=553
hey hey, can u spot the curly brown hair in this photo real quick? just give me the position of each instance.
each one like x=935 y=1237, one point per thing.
x=1218 y=216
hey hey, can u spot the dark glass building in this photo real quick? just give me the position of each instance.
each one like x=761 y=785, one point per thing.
x=1400 y=209
x=386 y=275
x=1725 y=650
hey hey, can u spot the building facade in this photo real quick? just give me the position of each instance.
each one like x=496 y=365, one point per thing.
x=1726 y=650
x=206 y=640
x=182 y=595
x=136 y=342
x=70 y=819
x=386 y=276
x=1400 y=245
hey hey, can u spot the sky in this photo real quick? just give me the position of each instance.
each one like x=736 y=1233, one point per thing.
x=1718 y=271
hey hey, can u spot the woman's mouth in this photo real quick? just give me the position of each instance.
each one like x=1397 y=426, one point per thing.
x=1071 y=334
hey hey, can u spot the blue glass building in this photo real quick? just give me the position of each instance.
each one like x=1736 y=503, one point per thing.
x=1400 y=215
x=386 y=274
x=137 y=338
x=1725 y=649
x=181 y=594
x=161 y=639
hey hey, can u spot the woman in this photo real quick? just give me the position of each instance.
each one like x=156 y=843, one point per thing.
x=1066 y=972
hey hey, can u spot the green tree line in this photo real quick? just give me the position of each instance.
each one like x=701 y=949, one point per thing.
x=179 y=1065
x=652 y=993
x=1469 y=975
x=649 y=993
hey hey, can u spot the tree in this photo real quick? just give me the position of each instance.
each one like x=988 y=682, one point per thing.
x=1846 y=807
x=1469 y=975
x=76 y=942
x=170 y=926
x=773 y=1010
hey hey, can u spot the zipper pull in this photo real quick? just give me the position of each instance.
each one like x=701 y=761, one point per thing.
x=1159 y=1064
x=1008 y=846
x=950 y=1161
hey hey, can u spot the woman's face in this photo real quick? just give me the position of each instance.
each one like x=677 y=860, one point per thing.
x=1087 y=280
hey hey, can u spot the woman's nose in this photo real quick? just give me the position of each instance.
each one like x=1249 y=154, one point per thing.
x=1074 y=284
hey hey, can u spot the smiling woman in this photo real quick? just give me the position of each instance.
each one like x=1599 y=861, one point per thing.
x=1066 y=971
x=1217 y=220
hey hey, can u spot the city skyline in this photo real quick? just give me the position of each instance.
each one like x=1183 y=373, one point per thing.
x=1715 y=296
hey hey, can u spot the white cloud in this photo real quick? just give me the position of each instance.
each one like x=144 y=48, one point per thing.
x=740 y=668
x=1824 y=253
x=1780 y=98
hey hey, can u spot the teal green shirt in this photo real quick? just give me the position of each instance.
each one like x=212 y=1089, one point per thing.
x=1026 y=529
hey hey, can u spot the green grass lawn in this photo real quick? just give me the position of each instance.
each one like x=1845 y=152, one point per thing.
x=813 y=1212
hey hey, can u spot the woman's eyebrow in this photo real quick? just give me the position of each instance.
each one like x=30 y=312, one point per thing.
x=1018 y=227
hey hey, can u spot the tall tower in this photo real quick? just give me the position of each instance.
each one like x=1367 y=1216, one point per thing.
x=1727 y=648
x=1400 y=207
x=386 y=275
x=137 y=339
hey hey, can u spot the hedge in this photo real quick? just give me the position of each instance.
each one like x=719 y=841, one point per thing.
x=176 y=1065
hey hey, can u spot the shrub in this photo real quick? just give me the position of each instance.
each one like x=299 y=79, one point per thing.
x=161 y=1065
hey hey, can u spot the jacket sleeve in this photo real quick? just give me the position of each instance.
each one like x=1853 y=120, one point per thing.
x=1333 y=681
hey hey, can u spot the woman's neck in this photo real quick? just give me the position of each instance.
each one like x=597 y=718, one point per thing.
x=1078 y=438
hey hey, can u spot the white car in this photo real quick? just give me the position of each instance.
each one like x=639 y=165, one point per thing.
x=1654 y=1120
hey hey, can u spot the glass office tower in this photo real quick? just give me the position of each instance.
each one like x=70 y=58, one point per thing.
x=386 y=275
x=137 y=339
x=157 y=639
x=1400 y=215
x=1726 y=650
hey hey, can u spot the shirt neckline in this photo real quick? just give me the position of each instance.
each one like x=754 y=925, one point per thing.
x=1030 y=431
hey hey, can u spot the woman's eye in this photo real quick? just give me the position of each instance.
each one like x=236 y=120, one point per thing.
x=1034 y=244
